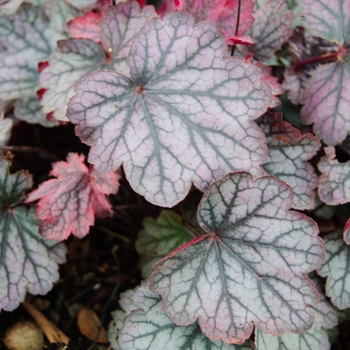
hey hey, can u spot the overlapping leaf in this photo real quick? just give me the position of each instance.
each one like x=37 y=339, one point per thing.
x=150 y=328
x=183 y=116
x=289 y=152
x=248 y=269
x=327 y=102
x=315 y=338
x=69 y=203
x=327 y=99
x=158 y=238
x=28 y=262
x=328 y=19
x=29 y=110
x=304 y=47
x=75 y=58
x=5 y=124
x=336 y=270
x=271 y=29
x=28 y=39
x=346 y=232
x=333 y=188
x=226 y=14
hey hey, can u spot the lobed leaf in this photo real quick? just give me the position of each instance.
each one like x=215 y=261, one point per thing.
x=28 y=262
x=69 y=203
x=223 y=13
x=327 y=102
x=158 y=238
x=271 y=29
x=336 y=270
x=328 y=19
x=183 y=116
x=333 y=188
x=150 y=328
x=289 y=152
x=248 y=269
x=75 y=58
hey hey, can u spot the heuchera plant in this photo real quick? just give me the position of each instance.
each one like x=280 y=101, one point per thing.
x=181 y=98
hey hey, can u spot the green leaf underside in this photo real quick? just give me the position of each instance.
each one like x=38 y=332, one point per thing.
x=249 y=268
x=167 y=124
x=158 y=238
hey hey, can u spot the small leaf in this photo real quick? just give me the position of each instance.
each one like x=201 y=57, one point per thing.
x=271 y=29
x=150 y=328
x=184 y=116
x=333 y=188
x=336 y=270
x=248 y=270
x=158 y=238
x=289 y=152
x=28 y=262
x=328 y=19
x=69 y=203
x=222 y=13
x=327 y=102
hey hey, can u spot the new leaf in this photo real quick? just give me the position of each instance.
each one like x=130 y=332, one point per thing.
x=69 y=203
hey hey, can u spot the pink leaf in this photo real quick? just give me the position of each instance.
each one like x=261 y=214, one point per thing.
x=289 y=152
x=304 y=47
x=86 y=26
x=222 y=13
x=69 y=203
x=333 y=188
x=328 y=19
x=327 y=102
x=248 y=268
x=184 y=115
